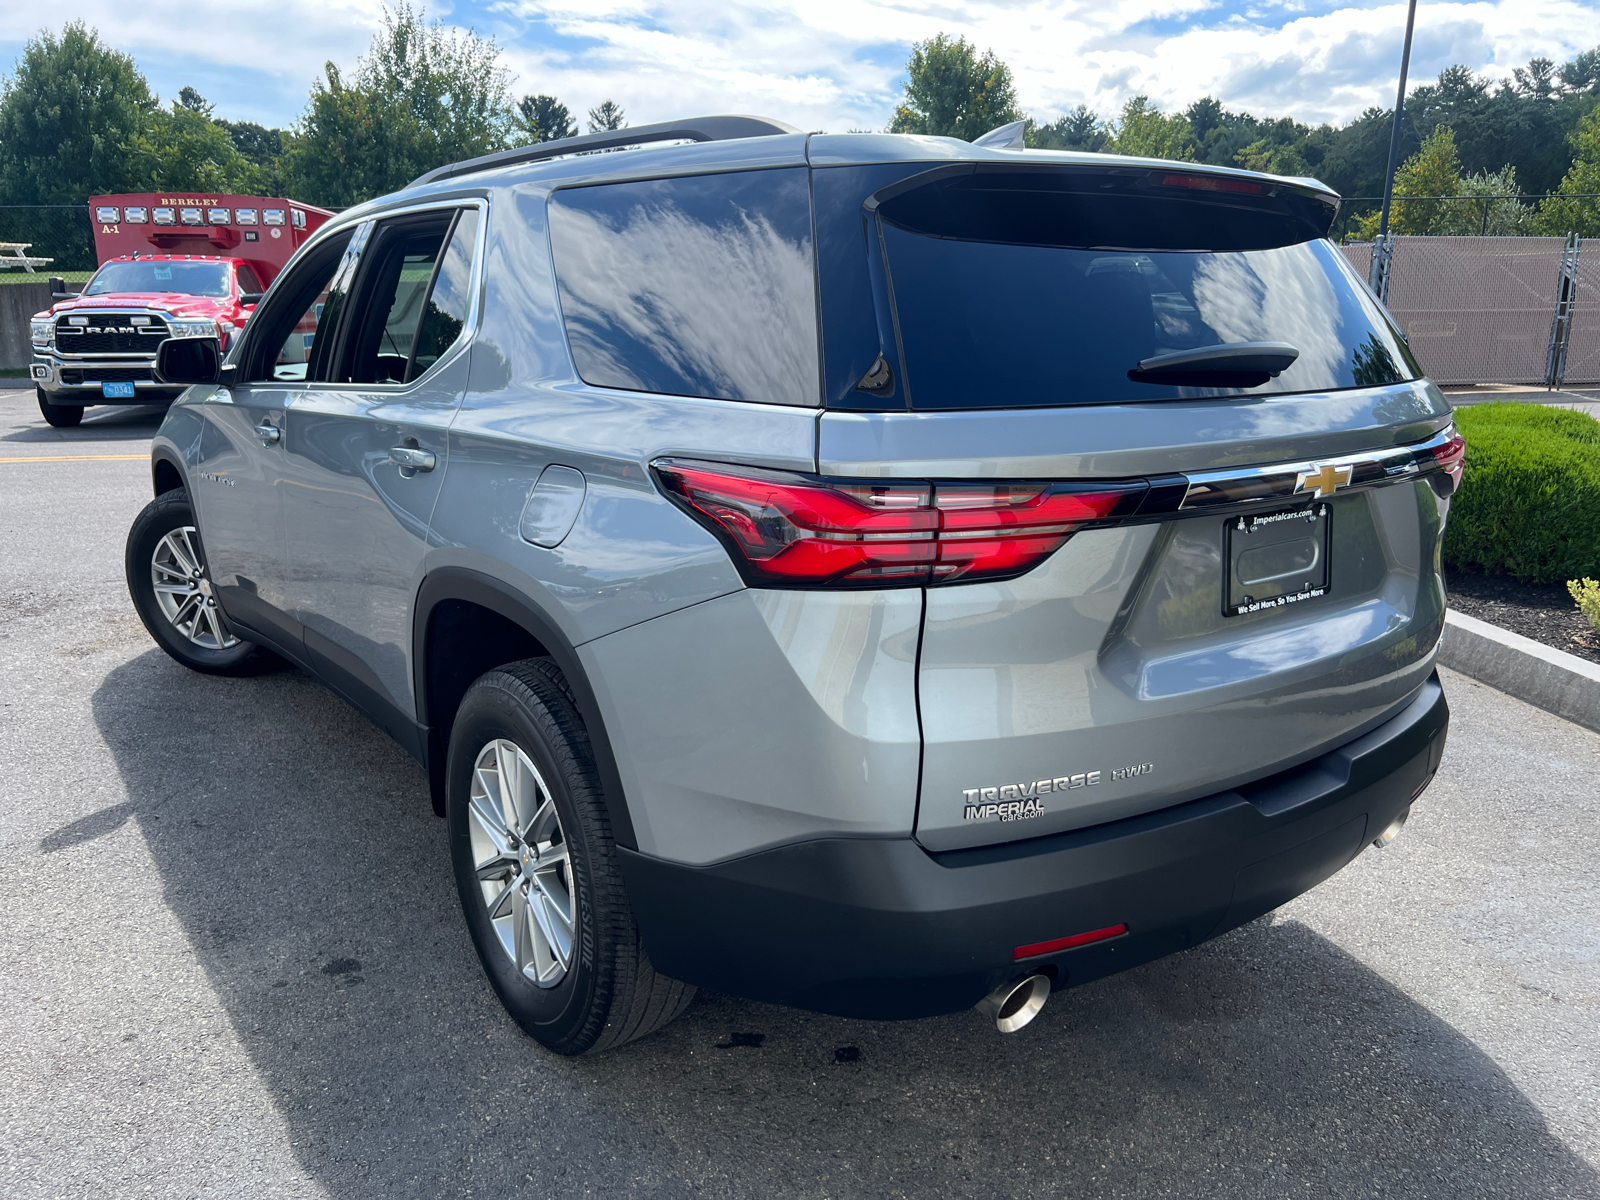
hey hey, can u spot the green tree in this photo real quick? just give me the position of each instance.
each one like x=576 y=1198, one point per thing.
x=1275 y=159
x=191 y=99
x=1080 y=129
x=1569 y=212
x=185 y=150
x=544 y=118
x=68 y=116
x=1582 y=75
x=1497 y=212
x=1537 y=79
x=953 y=91
x=1434 y=170
x=1144 y=130
x=606 y=117
x=423 y=96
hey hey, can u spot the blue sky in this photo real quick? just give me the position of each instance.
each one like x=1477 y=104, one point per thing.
x=823 y=64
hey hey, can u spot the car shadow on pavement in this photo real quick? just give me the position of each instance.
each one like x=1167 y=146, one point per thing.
x=101 y=423
x=299 y=852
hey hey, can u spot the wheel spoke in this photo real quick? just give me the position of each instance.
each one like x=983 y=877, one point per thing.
x=505 y=904
x=542 y=817
x=186 y=610
x=179 y=548
x=521 y=929
x=516 y=836
x=505 y=769
x=495 y=867
x=555 y=917
x=192 y=550
x=483 y=817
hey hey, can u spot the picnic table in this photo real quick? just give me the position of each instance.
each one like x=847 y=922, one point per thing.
x=14 y=254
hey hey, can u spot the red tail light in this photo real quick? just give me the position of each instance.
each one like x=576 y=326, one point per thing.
x=797 y=531
x=1451 y=456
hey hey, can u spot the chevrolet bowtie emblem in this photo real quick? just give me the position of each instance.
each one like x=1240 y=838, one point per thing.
x=1325 y=479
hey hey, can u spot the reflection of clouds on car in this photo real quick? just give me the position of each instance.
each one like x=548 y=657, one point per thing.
x=1282 y=294
x=705 y=293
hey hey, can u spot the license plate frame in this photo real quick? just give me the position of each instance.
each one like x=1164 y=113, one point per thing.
x=117 y=391
x=1273 y=560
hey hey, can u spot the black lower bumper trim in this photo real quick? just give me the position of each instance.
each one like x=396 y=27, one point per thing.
x=881 y=928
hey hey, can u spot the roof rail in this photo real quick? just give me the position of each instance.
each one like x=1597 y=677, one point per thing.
x=697 y=129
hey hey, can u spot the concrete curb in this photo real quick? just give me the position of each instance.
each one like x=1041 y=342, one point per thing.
x=1554 y=680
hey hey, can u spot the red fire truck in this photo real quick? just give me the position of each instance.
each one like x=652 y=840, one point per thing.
x=170 y=266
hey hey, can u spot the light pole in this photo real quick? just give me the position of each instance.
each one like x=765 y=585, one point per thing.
x=1394 y=136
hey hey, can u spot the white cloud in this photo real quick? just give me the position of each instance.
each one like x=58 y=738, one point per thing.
x=833 y=65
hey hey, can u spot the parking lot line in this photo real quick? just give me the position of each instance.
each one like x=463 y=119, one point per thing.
x=76 y=458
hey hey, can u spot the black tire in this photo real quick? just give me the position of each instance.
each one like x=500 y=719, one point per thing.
x=62 y=416
x=161 y=516
x=610 y=993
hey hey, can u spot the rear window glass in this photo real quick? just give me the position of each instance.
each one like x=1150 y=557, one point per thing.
x=699 y=286
x=1015 y=296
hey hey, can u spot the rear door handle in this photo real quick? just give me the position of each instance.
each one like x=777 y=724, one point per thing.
x=412 y=459
x=268 y=432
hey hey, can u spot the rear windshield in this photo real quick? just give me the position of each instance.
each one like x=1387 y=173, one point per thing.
x=699 y=286
x=1021 y=296
x=154 y=275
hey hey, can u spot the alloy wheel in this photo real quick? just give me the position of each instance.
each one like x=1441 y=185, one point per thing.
x=522 y=862
x=183 y=590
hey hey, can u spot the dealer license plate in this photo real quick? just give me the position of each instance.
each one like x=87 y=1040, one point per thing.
x=1276 y=559
x=117 y=391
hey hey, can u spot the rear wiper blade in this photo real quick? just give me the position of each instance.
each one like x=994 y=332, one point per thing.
x=1231 y=364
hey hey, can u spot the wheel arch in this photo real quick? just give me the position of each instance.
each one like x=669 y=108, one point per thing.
x=467 y=623
x=166 y=472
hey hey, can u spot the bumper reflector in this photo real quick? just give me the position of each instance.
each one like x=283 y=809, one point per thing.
x=1067 y=943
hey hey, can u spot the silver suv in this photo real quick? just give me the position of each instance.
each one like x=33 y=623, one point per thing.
x=875 y=574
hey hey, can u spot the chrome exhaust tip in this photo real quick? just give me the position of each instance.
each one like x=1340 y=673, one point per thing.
x=1013 y=1005
x=1392 y=831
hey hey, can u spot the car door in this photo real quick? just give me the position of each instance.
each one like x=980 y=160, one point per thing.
x=238 y=483
x=365 y=454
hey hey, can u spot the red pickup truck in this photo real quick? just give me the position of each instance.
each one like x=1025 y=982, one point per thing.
x=170 y=266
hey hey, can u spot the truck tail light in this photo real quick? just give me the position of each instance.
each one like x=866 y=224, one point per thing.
x=797 y=531
x=1451 y=457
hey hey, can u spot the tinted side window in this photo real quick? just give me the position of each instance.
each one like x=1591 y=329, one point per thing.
x=285 y=339
x=411 y=301
x=248 y=283
x=450 y=301
x=700 y=286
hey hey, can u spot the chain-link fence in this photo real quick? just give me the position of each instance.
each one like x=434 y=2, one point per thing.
x=1492 y=309
x=1583 y=337
x=59 y=232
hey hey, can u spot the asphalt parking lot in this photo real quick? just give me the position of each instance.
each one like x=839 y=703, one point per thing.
x=231 y=964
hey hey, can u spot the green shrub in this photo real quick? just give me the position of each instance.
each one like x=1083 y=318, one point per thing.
x=1587 y=593
x=1529 y=504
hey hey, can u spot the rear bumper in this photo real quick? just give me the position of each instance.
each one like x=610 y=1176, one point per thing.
x=880 y=928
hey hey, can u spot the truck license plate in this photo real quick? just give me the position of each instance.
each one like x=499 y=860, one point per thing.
x=117 y=391
x=1276 y=559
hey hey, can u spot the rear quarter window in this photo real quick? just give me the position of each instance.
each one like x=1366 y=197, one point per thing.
x=696 y=286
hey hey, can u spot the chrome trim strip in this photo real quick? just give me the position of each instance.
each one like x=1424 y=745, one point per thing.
x=1282 y=481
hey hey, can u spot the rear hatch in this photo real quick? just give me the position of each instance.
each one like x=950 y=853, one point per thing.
x=1247 y=473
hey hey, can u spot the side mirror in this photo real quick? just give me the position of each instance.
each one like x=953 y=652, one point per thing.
x=189 y=360
x=249 y=298
x=58 y=289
